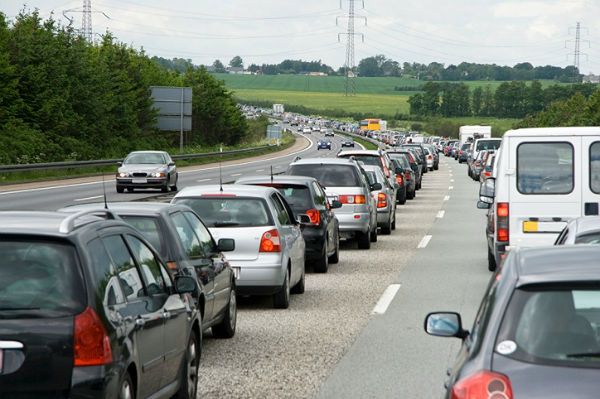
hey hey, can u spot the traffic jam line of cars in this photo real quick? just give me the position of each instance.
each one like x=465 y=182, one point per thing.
x=537 y=331
x=112 y=299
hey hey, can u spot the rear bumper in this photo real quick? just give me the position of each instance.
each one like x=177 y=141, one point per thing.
x=314 y=238
x=383 y=216
x=353 y=222
x=259 y=277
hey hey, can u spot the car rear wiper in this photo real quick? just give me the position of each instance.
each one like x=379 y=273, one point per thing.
x=225 y=224
x=584 y=354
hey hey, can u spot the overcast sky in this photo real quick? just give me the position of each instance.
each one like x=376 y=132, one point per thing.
x=504 y=32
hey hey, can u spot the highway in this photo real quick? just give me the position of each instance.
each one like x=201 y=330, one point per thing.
x=357 y=331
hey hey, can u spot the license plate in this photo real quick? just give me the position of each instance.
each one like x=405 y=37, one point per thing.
x=236 y=272
x=530 y=227
x=139 y=181
x=543 y=227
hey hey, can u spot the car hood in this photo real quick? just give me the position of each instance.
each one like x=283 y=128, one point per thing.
x=142 y=167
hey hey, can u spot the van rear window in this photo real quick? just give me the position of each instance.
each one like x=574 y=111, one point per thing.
x=488 y=145
x=595 y=167
x=545 y=168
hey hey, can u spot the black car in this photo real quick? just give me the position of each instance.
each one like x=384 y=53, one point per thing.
x=411 y=155
x=535 y=335
x=403 y=170
x=324 y=144
x=419 y=153
x=187 y=247
x=306 y=196
x=85 y=306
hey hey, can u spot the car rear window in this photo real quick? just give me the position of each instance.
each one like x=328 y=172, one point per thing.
x=149 y=227
x=545 y=168
x=488 y=145
x=39 y=279
x=366 y=159
x=589 y=238
x=329 y=175
x=553 y=325
x=230 y=211
x=297 y=196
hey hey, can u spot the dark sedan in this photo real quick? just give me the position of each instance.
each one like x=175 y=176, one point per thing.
x=536 y=333
x=306 y=196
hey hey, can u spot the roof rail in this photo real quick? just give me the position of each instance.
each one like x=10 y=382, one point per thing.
x=68 y=224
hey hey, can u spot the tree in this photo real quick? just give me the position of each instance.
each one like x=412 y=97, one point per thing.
x=219 y=67
x=371 y=66
x=236 y=62
x=477 y=101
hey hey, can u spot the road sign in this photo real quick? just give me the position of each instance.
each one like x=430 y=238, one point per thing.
x=174 y=105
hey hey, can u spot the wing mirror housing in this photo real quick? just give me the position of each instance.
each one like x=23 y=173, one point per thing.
x=303 y=219
x=335 y=204
x=226 y=245
x=185 y=284
x=445 y=324
x=376 y=186
x=487 y=191
x=483 y=205
x=120 y=163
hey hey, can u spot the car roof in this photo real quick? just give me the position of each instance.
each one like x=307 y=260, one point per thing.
x=148 y=152
x=128 y=208
x=585 y=224
x=373 y=153
x=289 y=179
x=554 y=131
x=556 y=264
x=43 y=223
x=227 y=189
x=324 y=161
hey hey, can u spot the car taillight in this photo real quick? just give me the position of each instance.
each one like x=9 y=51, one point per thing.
x=487 y=174
x=407 y=176
x=399 y=179
x=269 y=242
x=381 y=200
x=353 y=199
x=91 y=344
x=315 y=216
x=502 y=215
x=429 y=156
x=483 y=385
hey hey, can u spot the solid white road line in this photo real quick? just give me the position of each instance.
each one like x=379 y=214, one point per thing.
x=386 y=299
x=236 y=174
x=88 y=198
x=203 y=180
x=424 y=241
x=447 y=198
x=441 y=214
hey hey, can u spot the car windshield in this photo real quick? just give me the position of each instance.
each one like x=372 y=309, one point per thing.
x=39 y=279
x=329 y=175
x=229 y=211
x=488 y=145
x=144 y=158
x=588 y=238
x=553 y=325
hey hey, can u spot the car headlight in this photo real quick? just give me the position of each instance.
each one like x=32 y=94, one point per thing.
x=158 y=174
x=122 y=174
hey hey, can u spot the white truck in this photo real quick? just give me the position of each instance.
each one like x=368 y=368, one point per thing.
x=469 y=131
x=278 y=108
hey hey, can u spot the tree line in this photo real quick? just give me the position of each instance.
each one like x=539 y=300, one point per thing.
x=62 y=98
x=514 y=99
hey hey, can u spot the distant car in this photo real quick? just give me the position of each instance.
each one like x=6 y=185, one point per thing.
x=463 y=153
x=385 y=199
x=147 y=169
x=89 y=310
x=348 y=142
x=306 y=196
x=324 y=144
x=270 y=249
x=405 y=177
x=410 y=154
x=536 y=332
x=307 y=130
x=329 y=133
x=582 y=230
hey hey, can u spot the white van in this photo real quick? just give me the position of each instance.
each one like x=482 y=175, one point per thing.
x=542 y=178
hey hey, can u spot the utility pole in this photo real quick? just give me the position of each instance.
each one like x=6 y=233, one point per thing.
x=86 y=20
x=349 y=66
x=577 y=51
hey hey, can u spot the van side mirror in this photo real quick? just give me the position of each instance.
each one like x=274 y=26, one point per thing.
x=226 y=245
x=487 y=191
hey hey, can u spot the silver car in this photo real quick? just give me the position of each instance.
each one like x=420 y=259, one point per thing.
x=269 y=248
x=147 y=169
x=385 y=199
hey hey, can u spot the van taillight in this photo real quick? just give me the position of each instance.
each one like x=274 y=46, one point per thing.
x=91 y=344
x=483 y=385
x=269 y=242
x=502 y=215
x=315 y=216
x=381 y=200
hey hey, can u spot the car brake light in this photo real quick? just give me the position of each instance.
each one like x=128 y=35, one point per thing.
x=429 y=156
x=483 y=385
x=353 y=199
x=487 y=174
x=91 y=344
x=407 y=175
x=502 y=215
x=399 y=179
x=381 y=200
x=315 y=216
x=269 y=242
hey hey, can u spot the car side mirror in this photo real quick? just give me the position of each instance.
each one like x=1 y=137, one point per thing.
x=185 y=284
x=171 y=163
x=483 y=205
x=376 y=186
x=226 y=245
x=445 y=324
x=120 y=163
x=303 y=219
x=487 y=191
x=335 y=204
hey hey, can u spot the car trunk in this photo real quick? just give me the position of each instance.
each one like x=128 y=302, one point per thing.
x=42 y=367
x=247 y=240
x=339 y=193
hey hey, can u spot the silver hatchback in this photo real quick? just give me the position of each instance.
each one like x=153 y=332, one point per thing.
x=385 y=199
x=269 y=248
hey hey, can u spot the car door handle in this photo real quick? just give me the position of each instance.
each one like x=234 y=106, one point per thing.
x=166 y=314
x=140 y=322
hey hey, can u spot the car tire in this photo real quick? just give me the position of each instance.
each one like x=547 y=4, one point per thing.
x=373 y=235
x=335 y=258
x=126 y=390
x=120 y=189
x=387 y=229
x=130 y=189
x=300 y=286
x=364 y=240
x=165 y=188
x=394 y=223
x=174 y=186
x=188 y=388
x=437 y=167
x=402 y=197
x=322 y=265
x=491 y=261
x=281 y=300
x=226 y=328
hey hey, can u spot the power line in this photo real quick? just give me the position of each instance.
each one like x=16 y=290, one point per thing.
x=86 y=20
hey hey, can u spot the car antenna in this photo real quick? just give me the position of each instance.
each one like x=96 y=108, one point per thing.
x=220 y=171
x=104 y=191
x=271 y=174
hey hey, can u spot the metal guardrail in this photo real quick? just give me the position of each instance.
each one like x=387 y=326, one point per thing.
x=106 y=162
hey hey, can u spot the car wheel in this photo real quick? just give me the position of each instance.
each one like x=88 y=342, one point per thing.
x=126 y=391
x=402 y=197
x=120 y=189
x=364 y=241
x=130 y=189
x=437 y=167
x=491 y=261
x=281 y=300
x=387 y=229
x=335 y=258
x=300 y=285
x=189 y=383
x=226 y=328
x=174 y=186
x=394 y=223
x=322 y=265
x=373 y=235
x=165 y=188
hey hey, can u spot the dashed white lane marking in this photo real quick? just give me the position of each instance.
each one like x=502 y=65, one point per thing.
x=203 y=180
x=451 y=188
x=386 y=299
x=424 y=241
x=451 y=180
x=88 y=198
x=447 y=198
x=440 y=214
x=260 y=170
x=236 y=174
